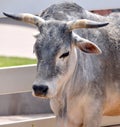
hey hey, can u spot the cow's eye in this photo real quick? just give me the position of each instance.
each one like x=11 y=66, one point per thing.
x=64 y=55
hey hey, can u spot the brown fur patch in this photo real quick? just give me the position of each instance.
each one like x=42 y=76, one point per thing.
x=89 y=48
x=112 y=106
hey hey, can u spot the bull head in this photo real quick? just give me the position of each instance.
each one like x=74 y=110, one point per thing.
x=36 y=20
x=71 y=25
x=55 y=49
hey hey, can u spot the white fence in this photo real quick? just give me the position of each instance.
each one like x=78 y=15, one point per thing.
x=19 y=80
x=15 y=80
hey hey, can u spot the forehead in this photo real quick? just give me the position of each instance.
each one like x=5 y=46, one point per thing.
x=53 y=36
x=52 y=29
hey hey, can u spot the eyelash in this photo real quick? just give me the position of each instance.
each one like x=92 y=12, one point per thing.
x=64 y=55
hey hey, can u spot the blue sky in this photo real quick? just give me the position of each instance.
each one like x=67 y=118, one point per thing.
x=36 y=6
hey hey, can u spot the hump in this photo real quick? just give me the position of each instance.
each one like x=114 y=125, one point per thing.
x=115 y=16
x=62 y=11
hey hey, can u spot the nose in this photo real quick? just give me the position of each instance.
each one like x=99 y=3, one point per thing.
x=40 y=89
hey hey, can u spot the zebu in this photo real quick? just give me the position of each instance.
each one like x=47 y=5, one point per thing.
x=81 y=86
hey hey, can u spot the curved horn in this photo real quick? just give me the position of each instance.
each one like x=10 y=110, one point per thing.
x=84 y=23
x=28 y=18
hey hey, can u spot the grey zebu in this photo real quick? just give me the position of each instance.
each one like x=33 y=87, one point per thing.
x=82 y=87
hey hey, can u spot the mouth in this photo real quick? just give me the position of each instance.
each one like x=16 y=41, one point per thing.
x=36 y=94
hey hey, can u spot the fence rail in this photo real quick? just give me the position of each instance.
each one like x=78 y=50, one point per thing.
x=15 y=82
x=46 y=120
x=18 y=80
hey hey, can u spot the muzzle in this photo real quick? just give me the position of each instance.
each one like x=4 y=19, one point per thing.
x=40 y=90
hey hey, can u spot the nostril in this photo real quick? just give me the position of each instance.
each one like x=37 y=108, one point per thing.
x=35 y=87
x=41 y=89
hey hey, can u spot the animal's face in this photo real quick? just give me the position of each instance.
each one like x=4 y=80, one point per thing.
x=55 y=49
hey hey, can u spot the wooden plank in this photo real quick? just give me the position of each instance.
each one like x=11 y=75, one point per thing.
x=17 y=79
x=44 y=121
x=111 y=120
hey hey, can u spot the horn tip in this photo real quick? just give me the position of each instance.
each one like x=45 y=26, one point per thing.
x=11 y=16
x=96 y=25
x=104 y=24
x=6 y=14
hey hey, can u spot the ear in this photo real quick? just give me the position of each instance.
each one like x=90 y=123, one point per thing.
x=86 y=45
x=35 y=35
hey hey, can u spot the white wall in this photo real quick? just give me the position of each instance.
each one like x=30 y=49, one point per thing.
x=35 y=6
